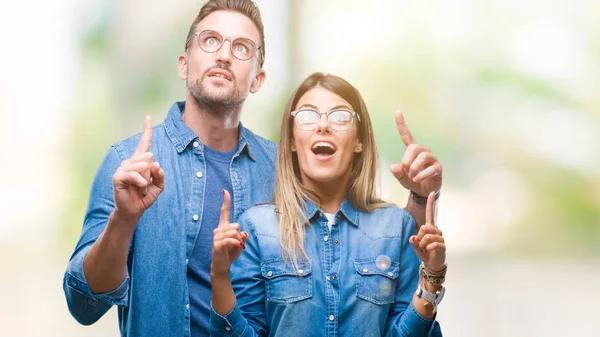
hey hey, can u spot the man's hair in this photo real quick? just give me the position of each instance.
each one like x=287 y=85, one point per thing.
x=290 y=192
x=245 y=7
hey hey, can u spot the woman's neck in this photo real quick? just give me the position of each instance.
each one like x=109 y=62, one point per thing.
x=331 y=194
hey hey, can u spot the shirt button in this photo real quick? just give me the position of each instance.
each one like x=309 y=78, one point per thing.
x=326 y=238
x=335 y=276
x=327 y=278
x=228 y=328
x=196 y=144
x=187 y=307
x=300 y=271
x=336 y=241
x=199 y=174
x=390 y=274
x=195 y=217
x=331 y=317
x=269 y=273
x=365 y=270
x=187 y=261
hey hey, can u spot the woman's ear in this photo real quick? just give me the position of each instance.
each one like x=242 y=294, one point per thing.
x=358 y=148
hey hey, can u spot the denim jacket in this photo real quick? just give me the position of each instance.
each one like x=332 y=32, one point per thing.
x=153 y=299
x=359 y=279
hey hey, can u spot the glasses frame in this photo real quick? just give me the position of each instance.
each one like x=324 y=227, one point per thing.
x=231 y=41
x=328 y=113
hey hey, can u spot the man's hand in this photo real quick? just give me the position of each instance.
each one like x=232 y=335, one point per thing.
x=420 y=171
x=429 y=243
x=138 y=181
x=228 y=241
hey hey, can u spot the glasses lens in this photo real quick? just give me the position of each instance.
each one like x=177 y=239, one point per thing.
x=243 y=49
x=307 y=119
x=210 y=41
x=340 y=120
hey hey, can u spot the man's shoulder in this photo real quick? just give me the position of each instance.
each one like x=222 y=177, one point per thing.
x=265 y=144
x=126 y=147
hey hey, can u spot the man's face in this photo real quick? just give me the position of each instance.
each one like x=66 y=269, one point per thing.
x=219 y=79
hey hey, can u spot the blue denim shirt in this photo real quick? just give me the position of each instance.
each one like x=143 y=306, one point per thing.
x=359 y=280
x=153 y=299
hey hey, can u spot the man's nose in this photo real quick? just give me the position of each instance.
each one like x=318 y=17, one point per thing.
x=224 y=54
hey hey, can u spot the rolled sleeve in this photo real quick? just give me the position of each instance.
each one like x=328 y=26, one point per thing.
x=75 y=278
x=85 y=306
x=232 y=324
x=413 y=324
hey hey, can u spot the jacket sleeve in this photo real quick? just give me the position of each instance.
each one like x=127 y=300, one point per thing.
x=404 y=320
x=248 y=317
x=85 y=306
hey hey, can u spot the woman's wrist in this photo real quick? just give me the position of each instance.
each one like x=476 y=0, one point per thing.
x=433 y=278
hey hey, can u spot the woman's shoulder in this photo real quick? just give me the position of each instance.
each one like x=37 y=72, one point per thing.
x=261 y=219
x=389 y=220
x=390 y=210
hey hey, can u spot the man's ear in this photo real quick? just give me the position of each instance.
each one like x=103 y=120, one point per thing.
x=258 y=80
x=182 y=66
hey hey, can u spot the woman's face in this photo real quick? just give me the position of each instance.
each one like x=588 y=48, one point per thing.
x=325 y=155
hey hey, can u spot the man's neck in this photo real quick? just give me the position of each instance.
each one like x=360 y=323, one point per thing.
x=217 y=129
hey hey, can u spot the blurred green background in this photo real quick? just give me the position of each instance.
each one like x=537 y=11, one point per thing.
x=505 y=93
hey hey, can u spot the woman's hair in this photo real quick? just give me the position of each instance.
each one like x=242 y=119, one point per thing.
x=290 y=192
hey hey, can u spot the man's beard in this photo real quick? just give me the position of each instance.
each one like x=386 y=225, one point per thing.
x=219 y=103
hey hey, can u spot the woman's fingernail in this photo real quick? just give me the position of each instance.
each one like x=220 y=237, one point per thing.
x=243 y=245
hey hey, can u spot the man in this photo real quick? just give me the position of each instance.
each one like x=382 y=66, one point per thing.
x=147 y=235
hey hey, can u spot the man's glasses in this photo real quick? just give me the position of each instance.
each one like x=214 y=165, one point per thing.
x=339 y=120
x=242 y=48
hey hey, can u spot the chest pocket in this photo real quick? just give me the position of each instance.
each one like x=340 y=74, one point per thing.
x=374 y=284
x=286 y=284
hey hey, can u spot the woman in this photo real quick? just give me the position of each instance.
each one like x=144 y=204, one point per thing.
x=328 y=257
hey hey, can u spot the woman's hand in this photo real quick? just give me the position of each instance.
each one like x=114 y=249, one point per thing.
x=429 y=243
x=228 y=241
x=420 y=171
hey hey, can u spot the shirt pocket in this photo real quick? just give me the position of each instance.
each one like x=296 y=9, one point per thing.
x=376 y=285
x=286 y=284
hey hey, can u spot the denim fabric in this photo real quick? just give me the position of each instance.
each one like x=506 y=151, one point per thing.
x=359 y=279
x=153 y=299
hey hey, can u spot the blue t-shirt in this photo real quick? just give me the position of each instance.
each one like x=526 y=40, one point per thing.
x=199 y=285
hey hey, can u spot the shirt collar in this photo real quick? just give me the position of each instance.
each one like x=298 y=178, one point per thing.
x=346 y=209
x=181 y=135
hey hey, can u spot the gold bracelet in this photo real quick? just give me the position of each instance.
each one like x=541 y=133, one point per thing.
x=435 y=278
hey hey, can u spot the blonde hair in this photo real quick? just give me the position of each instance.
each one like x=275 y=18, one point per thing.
x=290 y=193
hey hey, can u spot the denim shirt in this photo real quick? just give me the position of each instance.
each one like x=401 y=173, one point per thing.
x=153 y=299
x=359 y=279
